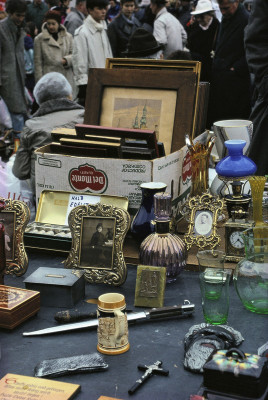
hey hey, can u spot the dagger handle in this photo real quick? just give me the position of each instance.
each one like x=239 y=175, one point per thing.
x=164 y=312
x=73 y=316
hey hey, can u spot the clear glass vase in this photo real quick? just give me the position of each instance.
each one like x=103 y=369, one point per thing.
x=251 y=273
x=162 y=248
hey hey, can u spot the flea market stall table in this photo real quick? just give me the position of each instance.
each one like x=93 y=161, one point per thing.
x=149 y=341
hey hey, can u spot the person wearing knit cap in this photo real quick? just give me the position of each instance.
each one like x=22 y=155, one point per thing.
x=53 y=94
x=53 y=49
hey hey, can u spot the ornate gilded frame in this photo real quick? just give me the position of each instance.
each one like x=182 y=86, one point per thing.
x=18 y=263
x=209 y=206
x=116 y=273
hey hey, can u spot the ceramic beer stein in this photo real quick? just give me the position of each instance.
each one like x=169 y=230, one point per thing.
x=113 y=325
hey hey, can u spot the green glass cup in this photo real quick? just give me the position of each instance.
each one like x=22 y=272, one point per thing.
x=214 y=285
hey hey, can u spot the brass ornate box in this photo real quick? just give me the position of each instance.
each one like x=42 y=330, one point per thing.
x=17 y=305
x=50 y=230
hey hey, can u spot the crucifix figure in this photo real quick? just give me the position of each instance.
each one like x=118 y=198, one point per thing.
x=149 y=371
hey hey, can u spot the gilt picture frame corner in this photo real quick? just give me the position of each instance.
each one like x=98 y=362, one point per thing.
x=15 y=217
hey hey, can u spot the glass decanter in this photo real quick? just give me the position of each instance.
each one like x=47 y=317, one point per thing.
x=162 y=248
x=251 y=273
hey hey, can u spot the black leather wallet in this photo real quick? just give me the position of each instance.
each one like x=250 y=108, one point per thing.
x=70 y=365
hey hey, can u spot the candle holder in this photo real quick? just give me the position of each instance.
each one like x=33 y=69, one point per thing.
x=257 y=184
x=199 y=154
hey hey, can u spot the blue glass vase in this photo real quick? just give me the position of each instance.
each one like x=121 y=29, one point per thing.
x=141 y=225
x=235 y=164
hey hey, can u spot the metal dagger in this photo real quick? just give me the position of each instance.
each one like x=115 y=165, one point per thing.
x=184 y=310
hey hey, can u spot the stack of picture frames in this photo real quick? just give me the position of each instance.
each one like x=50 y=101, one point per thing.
x=103 y=142
x=159 y=95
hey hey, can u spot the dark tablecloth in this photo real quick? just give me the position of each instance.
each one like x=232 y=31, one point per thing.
x=149 y=341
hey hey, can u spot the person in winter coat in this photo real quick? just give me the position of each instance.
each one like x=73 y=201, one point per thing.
x=202 y=36
x=230 y=82
x=53 y=49
x=12 y=73
x=122 y=27
x=91 y=45
x=53 y=94
x=167 y=29
x=76 y=16
x=256 y=44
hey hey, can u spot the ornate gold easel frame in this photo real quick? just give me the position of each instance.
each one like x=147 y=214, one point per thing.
x=205 y=203
x=117 y=273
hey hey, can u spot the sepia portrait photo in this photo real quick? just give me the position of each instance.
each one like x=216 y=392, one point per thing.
x=97 y=242
x=203 y=223
x=7 y=218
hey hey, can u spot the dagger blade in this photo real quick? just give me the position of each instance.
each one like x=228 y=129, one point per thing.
x=186 y=309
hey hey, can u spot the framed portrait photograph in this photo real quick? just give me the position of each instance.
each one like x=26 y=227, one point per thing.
x=15 y=217
x=8 y=219
x=203 y=223
x=203 y=213
x=160 y=100
x=98 y=233
x=97 y=242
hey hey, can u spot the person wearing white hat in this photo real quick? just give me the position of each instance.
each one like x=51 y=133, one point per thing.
x=202 y=35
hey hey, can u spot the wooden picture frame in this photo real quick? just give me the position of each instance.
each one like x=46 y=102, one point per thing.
x=147 y=63
x=182 y=83
x=202 y=229
x=201 y=102
x=15 y=218
x=98 y=252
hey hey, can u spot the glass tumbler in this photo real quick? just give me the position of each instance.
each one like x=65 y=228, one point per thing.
x=214 y=284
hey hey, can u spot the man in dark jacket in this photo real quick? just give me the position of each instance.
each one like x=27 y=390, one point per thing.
x=36 y=12
x=256 y=42
x=12 y=73
x=122 y=27
x=230 y=84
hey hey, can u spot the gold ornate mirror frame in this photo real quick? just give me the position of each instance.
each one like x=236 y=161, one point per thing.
x=15 y=218
x=99 y=254
x=204 y=212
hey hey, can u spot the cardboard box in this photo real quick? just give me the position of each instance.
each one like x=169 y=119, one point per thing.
x=17 y=305
x=118 y=177
x=59 y=287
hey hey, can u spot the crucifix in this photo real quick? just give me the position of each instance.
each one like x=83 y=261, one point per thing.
x=149 y=371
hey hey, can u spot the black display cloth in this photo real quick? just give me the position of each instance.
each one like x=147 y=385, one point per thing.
x=149 y=341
